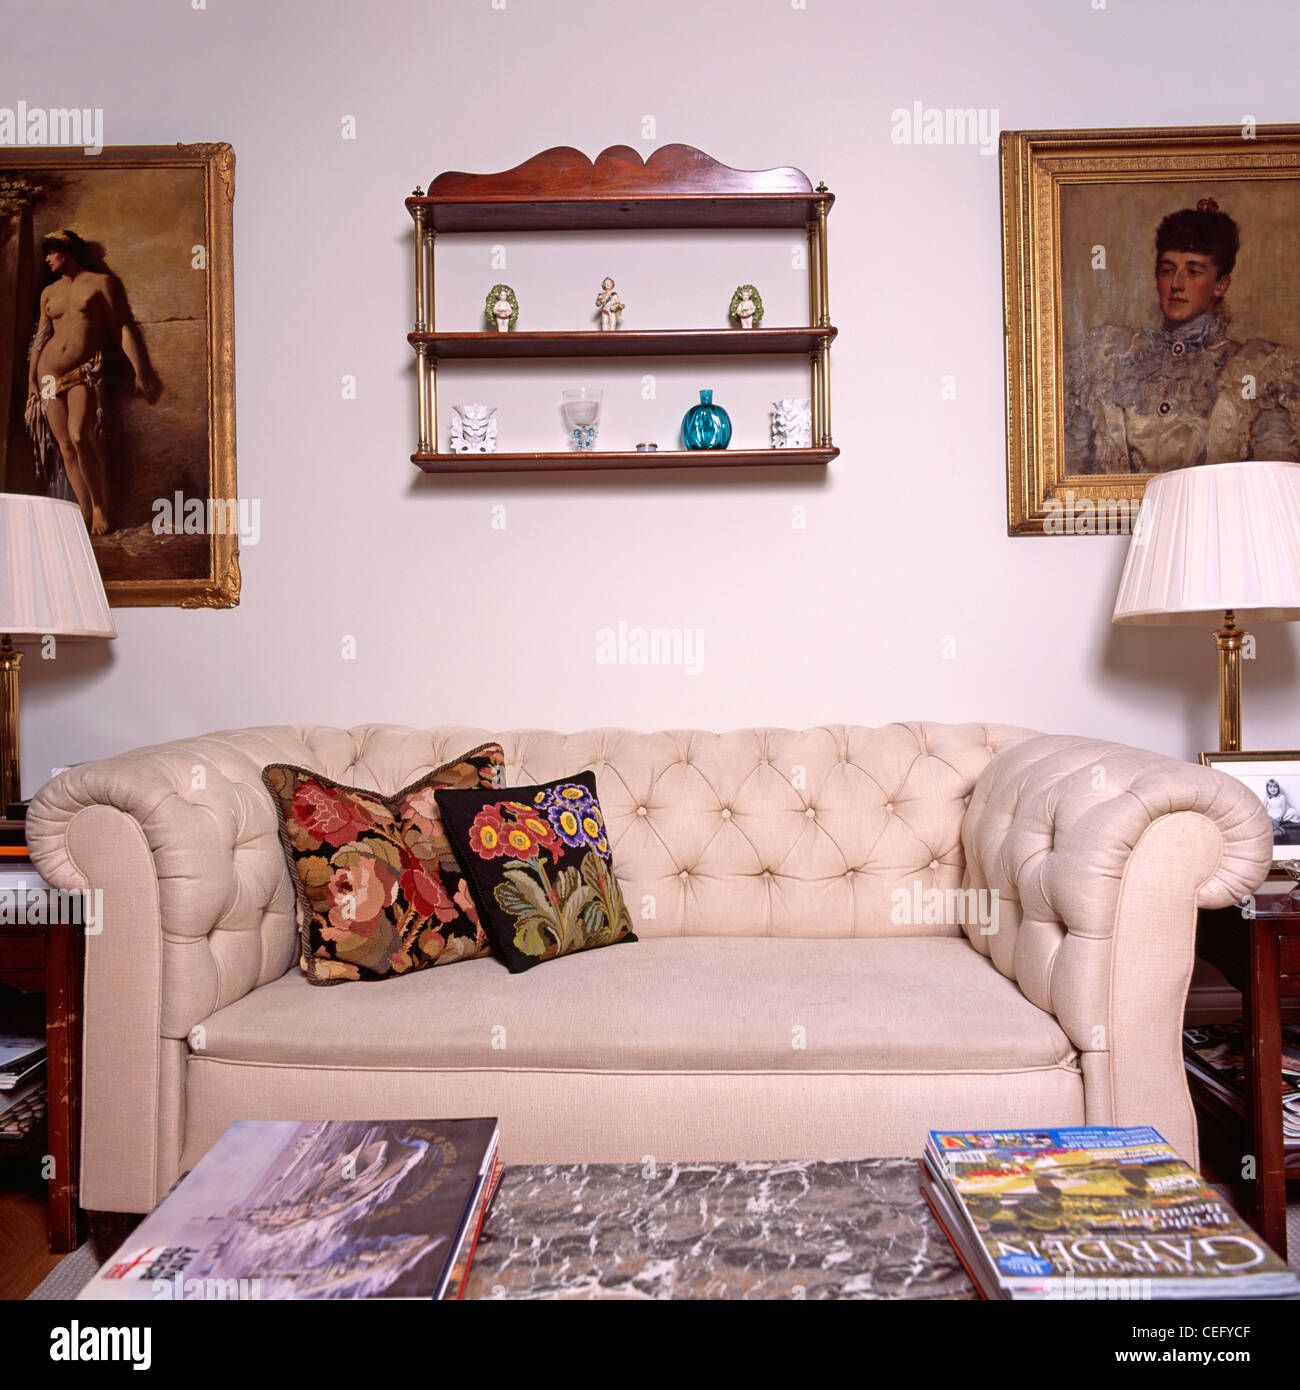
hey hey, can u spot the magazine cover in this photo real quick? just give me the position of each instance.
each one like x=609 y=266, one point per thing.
x=324 y=1209
x=1097 y=1202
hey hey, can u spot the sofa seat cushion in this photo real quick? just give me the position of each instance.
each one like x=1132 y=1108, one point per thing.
x=686 y=1004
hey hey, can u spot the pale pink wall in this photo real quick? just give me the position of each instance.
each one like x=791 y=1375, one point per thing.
x=905 y=543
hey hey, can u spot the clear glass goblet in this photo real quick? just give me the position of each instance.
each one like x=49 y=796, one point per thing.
x=582 y=415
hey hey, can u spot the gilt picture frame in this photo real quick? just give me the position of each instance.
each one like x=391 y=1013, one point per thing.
x=117 y=367
x=1104 y=387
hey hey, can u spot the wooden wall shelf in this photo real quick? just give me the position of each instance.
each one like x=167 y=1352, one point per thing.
x=675 y=187
x=597 y=460
x=625 y=342
x=560 y=189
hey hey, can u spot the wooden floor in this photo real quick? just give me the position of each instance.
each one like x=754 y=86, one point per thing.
x=24 y=1259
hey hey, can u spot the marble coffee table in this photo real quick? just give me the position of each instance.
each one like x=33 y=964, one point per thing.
x=715 y=1230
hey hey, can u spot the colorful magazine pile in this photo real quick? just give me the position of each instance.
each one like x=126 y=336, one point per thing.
x=314 y=1210
x=1213 y=1054
x=1091 y=1214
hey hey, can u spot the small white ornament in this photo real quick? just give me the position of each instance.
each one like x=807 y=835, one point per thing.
x=792 y=424
x=609 y=304
x=473 y=430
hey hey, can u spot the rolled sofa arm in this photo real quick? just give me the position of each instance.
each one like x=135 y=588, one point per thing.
x=197 y=910
x=1100 y=855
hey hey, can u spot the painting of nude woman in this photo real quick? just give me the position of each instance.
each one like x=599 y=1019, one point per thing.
x=117 y=359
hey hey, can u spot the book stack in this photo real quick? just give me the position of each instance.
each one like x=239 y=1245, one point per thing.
x=21 y=1059
x=1213 y=1055
x=325 y=1209
x=22 y=1084
x=1091 y=1213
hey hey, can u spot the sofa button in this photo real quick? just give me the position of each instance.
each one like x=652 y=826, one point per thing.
x=726 y=813
x=934 y=863
x=683 y=875
x=640 y=810
x=810 y=813
x=889 y=806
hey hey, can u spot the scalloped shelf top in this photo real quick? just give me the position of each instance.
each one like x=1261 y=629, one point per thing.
x=675 y=186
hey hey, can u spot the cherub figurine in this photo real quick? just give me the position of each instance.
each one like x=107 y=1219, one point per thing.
x=502 y=307
x=747 y=306
x=609 y=304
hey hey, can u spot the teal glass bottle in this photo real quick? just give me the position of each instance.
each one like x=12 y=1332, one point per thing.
x=706 y=426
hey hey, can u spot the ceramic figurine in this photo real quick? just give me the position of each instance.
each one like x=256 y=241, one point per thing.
x=502 y=307
x=473 y=430
x=609 y=304
x=792 y=424
x=706 y=426
x=747 y=306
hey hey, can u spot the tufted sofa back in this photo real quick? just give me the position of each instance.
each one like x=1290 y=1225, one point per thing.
x=772 y=832
x=758 y=832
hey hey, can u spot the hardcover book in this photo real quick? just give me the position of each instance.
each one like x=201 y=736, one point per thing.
x=312 y=1210
x=1091 y=1213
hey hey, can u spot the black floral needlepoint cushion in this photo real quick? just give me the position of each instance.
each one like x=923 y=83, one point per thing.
x=539 y=867
x=380 y=891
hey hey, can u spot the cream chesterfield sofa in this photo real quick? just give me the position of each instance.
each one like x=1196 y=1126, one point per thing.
x=783 y=1001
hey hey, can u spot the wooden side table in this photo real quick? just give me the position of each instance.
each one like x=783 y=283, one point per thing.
x=1260 y=956
x=49 y=959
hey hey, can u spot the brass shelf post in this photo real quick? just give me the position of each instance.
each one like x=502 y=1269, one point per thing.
x=822 y=434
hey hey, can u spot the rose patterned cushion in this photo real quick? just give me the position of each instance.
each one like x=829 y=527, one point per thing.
x=539 y=867
x=380 y=892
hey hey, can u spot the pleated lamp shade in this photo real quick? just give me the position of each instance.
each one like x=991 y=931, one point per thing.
x=1224 y=536
x=49 y=581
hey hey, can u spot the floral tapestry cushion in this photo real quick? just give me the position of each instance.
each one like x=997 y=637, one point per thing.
x=380 y=891
x=539 y=867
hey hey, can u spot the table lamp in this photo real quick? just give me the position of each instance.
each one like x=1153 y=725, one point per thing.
x=49 y=587
x=1220 y=541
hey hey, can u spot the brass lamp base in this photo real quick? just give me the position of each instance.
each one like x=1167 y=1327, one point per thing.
x=1229 y=639
x=10 y=780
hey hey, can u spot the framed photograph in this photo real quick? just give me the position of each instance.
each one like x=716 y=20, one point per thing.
x=117 y=360
x=1275 y=779
x=1152 y=286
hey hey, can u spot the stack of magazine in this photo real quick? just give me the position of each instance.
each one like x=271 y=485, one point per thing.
x=1213 y=1054
x=327 y=1209
x=1091 y=1214
x=22 y=1084
x=21 y=1060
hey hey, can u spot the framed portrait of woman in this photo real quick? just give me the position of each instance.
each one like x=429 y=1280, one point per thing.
x=117 y=366
x=1152 y=287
